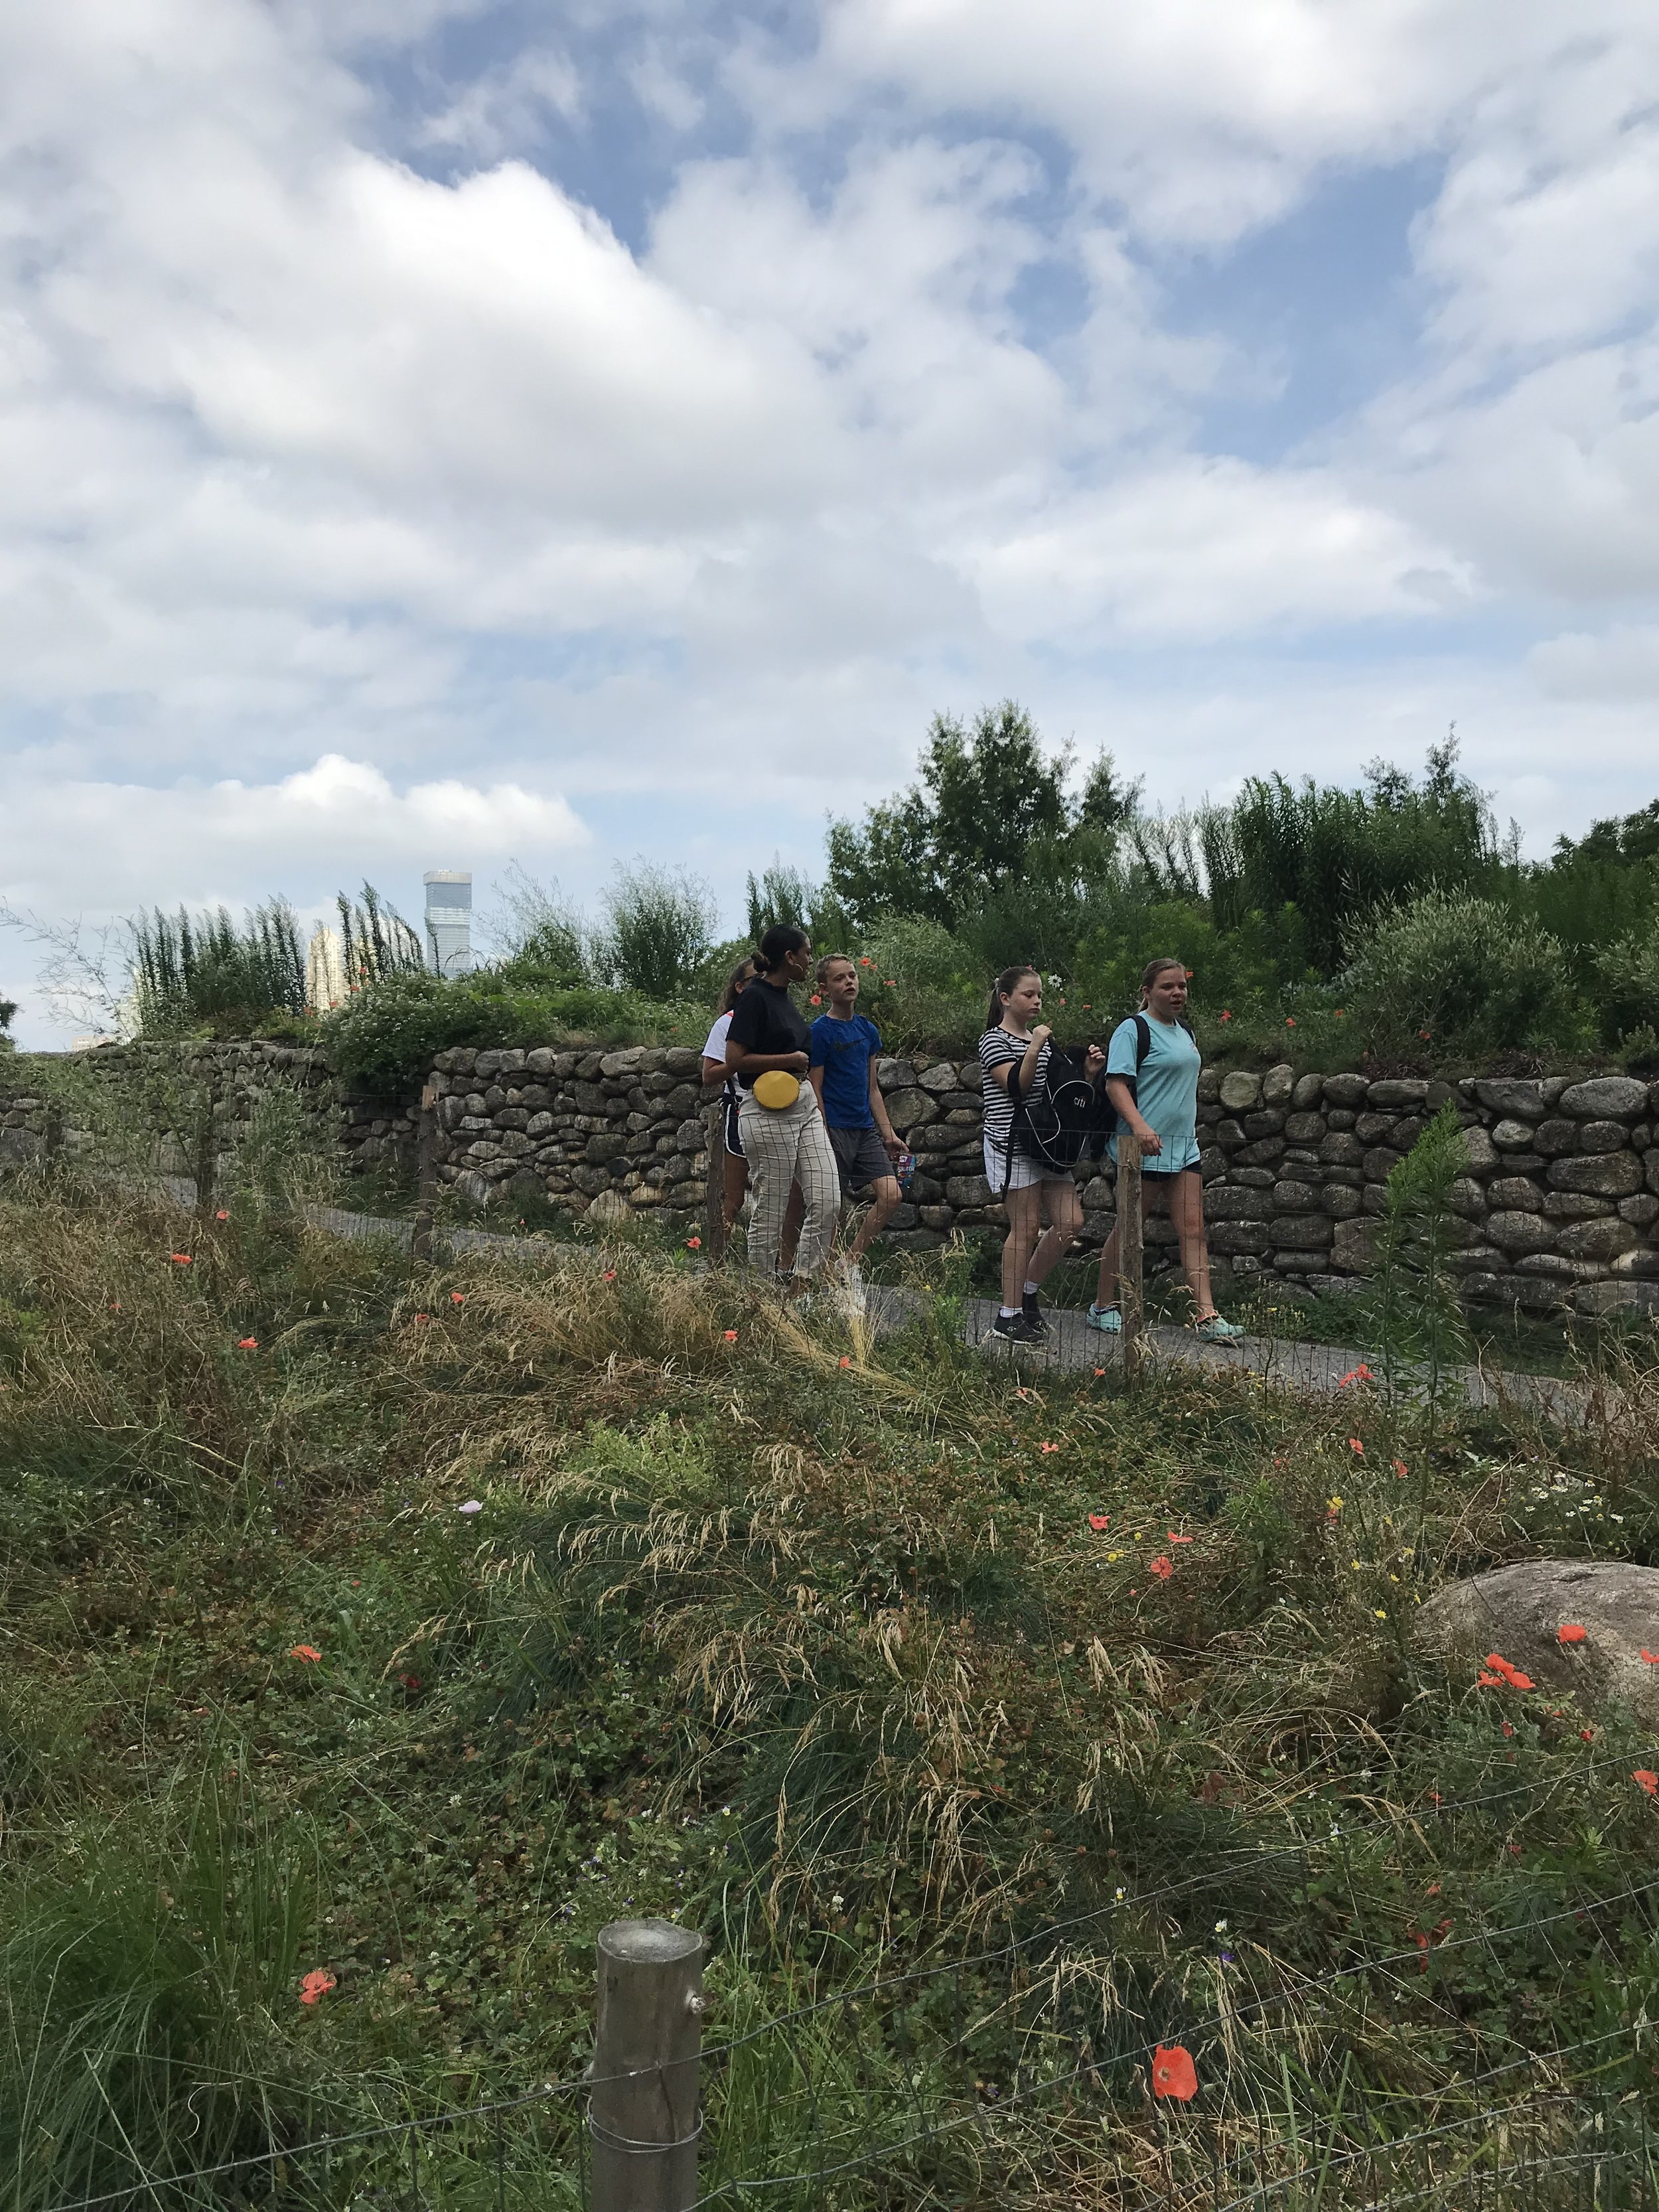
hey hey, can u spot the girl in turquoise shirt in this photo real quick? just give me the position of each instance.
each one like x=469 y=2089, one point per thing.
x=1158 y=1098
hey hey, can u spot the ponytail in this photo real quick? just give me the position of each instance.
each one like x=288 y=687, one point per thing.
x=999 y=989
x=782 y=939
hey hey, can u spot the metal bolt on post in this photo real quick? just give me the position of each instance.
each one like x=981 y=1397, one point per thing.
x=644 y=2119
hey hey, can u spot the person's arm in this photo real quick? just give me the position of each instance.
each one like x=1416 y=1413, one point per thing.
x=815 y=1077
x=714 y=1072
x=1118 y=1090
x=884 y=1129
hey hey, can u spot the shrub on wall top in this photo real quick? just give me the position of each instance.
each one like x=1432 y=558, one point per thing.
x=1465 y=974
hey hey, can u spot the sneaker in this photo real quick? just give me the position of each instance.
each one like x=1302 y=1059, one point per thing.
x=1037 y=1326
x=1109 y=1320
x=1012 y=1329
x=1217 y=1330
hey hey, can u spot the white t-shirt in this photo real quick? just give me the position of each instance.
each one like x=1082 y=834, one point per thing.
x=715 y=1048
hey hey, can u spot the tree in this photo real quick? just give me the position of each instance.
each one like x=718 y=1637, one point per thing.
x=985 y=800
x=661 y=928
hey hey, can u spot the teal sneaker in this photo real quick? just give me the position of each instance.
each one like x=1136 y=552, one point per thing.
x=1107 y=1319
x=1219 y=1330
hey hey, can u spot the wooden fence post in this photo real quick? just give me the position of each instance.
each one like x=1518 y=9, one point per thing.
x=714 y=1205
x=1130 y=1281
x=426 y=1169
x=644 y=2119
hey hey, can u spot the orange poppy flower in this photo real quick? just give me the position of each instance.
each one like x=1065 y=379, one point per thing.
x=1571 y=1633
x=693 y=1243
x=1586 y=1735
x=1400 y=1468
x=814 y=1000
x=1356 y=1447
x=1648 y=1780
x=1652 y=1657
x=1289 y=1021
x=1226 y=1013
x=1489 y=1681
x=1512 y=1675
x=309 y=1652
x=457 y=1298
x=317 y=1983
x=223 y=1214
x=863 y=960
x=609 y=1276
x=1162 y=1569
x=247 y=1343
x=1048 y=1447
x=844 y=1360
x=1174 y=1539
x=731 y=1336
x=180 y=1259
x=1173 y=2074
x=422 y=1316
x=1100 y=1523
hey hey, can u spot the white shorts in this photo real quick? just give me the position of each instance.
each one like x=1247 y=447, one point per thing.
x=1026 y=1170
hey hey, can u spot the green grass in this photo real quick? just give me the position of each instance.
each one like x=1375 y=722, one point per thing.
x=826 y=1659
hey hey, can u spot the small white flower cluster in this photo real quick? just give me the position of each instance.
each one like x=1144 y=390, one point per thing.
x=1575 y=1497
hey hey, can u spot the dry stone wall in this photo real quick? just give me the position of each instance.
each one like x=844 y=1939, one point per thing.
x=1557 y=1211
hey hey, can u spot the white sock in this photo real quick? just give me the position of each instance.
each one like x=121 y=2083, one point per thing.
x=1031 y=1289
x=1008 y=1312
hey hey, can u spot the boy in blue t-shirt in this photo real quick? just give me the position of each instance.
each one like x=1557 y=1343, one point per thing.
x=843 y=1045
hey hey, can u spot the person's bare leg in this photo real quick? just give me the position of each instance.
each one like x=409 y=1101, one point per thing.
x=793 y=1213
x=1186 y=1210
x=1024 y=1218
x=886 y=1201
x=737 y=1183
x=1065 y=1220
x=1106 y=1282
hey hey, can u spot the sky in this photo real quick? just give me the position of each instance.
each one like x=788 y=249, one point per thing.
x=450 y=432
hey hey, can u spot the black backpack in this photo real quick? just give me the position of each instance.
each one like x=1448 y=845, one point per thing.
x=1064 y=1118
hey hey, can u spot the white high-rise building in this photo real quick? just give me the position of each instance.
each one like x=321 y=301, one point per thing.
x=449 y=920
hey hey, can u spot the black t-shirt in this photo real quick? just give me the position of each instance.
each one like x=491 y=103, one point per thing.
x=766 y=1021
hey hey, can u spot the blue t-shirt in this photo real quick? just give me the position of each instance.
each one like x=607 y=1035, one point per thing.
x=844 y=1050
x=1167 y=1093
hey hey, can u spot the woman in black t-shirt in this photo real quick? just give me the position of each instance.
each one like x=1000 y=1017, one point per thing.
x=783 y=1145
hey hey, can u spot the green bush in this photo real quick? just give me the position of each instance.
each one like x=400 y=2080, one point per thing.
x=1464 y=974
x=660 y=931
x=1627 y=984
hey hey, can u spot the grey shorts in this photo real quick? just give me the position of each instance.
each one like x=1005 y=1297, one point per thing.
x=861 y=1157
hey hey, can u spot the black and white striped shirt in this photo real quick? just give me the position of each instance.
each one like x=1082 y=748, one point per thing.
x=996 y=1048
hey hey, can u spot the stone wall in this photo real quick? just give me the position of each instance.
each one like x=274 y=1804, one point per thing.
x=1557 y=1211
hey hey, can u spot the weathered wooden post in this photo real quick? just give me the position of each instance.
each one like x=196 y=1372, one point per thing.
x=206 y=1134
x=1131 y=1294
x=426 y=1169
x=713 y=1204
x=644 y=2119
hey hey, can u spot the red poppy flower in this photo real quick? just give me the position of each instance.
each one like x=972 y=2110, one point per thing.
x=317 y=1983
x=1360 y=1373
x=1489 y=1681
x=731 y=1336
x=1100 y=1523
x=844 y=1360
x=609 y=1276
x=1512 y=1675
x=1226 y=1014
x=223 y=1214
x=1356 y=1447
x=457 y=1297
x=1100 y=1370
x=1509 y=1728
x=1048 y=1447
x=1571 y=1633
x=410 y=1682
x=115 y=1305
x=1289 y=1021
x=1174 y=1539
x=1162 y=1569
x=1586 y=1735
x=1652 y=1657
x=863 y=960
x=247 y=1343
x=1424 y=1035
x=1648 y=1780
x=693 y=1243
x=1400 y=1468
x=1173 y=2074
x=814 y=1000
x=309 y=1652
x=180 y=1259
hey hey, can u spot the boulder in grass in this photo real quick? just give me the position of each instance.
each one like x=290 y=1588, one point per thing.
x=1520 y=1610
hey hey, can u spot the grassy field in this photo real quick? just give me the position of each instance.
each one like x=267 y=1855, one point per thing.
x=398 y=1628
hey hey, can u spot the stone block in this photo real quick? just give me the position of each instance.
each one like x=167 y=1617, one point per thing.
x=1231 y=1202
x=939 y=1078
x=1209 y=1086
x=1342 y=1149
x=1290 y=1197
x=1608 y=1175
x=1511 y=1136
x=1229 y=1132
x=1301 y=1232
x=1278 y=1086
x=600 y=1149
x=628 y=1061
x=1304 y=1129
x=1340 y=1202
x=1555 y=1136
x=1309 y=1089
x=1479 y=1156
x=1510 y=1191
x=1642 y=1212
x=1597 y=1240
x=1344 y=1090
x=1515 y=1232
x=1352 y=1246
x=1575 y=1206
x=1268 y=1123
x=1240 y=1089
x=1232 y=1237
x=1650 y=1168
x=1404 y=1090
x=910 y=1108
x=1371 y=1128
x=895 y=1074
x=541 y=1061
x=1261 y=1153
x=1643 y=1263
x=1602 y=1136
x=1379 y=1163
x=968 y=1190
x=1466 y=1197
x=590 y=1180
x=1610 y=1097
x=486 y=1063
x=1253 y=1178
x=1513 y=1099
x=1339 y=1117
x=1599 y=1300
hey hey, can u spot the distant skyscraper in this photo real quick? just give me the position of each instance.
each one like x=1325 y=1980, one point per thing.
x=449 y=920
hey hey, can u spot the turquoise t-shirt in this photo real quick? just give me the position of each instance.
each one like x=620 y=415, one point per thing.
x=1167 y=1093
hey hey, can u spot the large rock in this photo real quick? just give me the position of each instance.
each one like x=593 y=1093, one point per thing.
x=1352 y=1246
x=1613 y=1097
x=1514 y=1231
x=1278 y=1086
x=1598 y=1300
x=1404 y=1090
x=1607 y=1174
x=1240 y=1089
x=1519 y=1611
x=1522 y=1102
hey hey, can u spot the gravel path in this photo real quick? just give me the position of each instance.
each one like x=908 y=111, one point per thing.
x=1276 y=1363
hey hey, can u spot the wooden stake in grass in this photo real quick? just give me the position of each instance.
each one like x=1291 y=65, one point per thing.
x=425 y=1155
x=1131 y=1299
